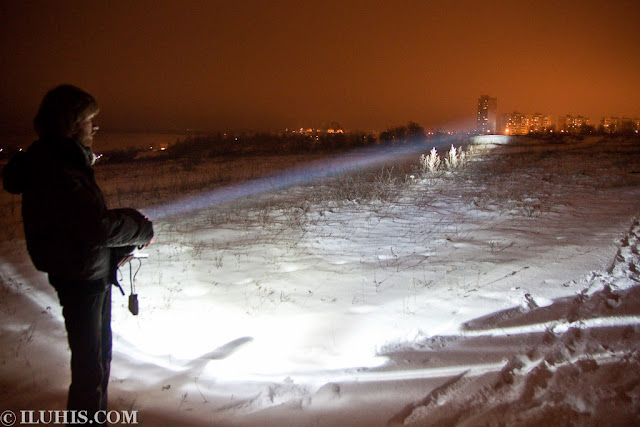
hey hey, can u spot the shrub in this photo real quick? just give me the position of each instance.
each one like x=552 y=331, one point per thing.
x=430 y=163
x=455 y=158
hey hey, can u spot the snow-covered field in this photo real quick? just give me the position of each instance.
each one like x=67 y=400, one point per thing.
x=505 y=293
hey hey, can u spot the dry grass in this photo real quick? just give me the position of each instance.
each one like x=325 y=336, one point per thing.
x=144 y=183
x=533 y=175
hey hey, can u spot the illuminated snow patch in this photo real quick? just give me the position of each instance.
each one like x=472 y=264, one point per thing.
x=557 y=327
x=491 y=139
x=262 y=346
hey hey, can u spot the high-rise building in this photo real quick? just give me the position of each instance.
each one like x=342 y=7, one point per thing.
x=522 y=124
x=572 y=124
x=487 y=120
x=617 y=124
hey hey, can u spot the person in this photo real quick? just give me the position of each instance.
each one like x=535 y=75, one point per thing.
x=72 y=236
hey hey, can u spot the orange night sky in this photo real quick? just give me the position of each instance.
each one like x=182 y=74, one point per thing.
x=368 y=65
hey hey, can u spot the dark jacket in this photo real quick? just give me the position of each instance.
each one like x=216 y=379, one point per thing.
x=68 y=229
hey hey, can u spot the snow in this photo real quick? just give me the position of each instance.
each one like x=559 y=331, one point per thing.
x=504 y=293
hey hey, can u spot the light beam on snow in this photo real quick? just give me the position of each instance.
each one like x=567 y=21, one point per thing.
x=260 y=348
x=353 y=161
x=556 y=326
x=270 y=355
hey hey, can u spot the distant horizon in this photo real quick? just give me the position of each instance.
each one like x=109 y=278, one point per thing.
x=467 y=124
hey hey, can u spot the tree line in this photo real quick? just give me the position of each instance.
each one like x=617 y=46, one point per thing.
x=197 y=147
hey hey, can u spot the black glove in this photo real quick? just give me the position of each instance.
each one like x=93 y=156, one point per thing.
x=144 y=232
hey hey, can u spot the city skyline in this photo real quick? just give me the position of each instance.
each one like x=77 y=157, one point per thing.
x=369 y=66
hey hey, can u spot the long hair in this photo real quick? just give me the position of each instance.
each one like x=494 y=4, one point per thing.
x=61 y=110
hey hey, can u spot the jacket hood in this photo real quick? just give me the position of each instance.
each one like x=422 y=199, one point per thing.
x=43 y=152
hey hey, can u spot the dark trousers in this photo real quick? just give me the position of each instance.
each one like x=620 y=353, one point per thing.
x=87 y=317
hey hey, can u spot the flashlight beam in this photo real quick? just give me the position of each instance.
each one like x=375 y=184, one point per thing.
x=355 y=160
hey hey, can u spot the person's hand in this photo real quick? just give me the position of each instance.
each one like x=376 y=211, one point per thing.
x=147 y=245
